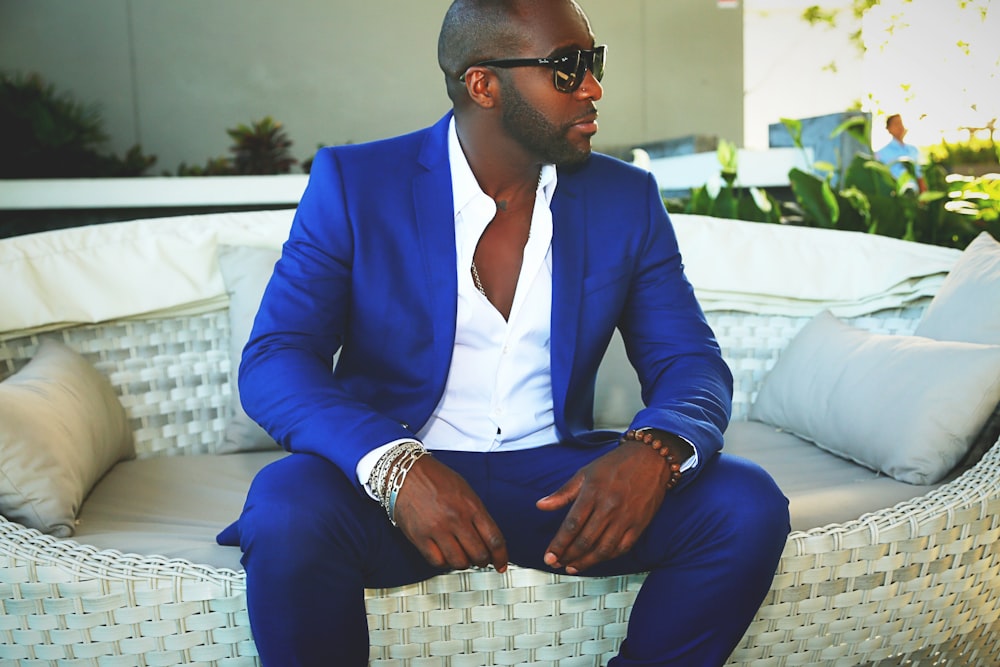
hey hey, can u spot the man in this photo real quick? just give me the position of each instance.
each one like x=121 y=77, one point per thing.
x=897 y=152
x=471 y=275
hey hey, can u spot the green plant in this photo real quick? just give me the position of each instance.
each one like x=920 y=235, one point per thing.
x=261 y=148
x=952 y=212
x=49 y=134
x=218 y=166
x=307 y=163
x=133 y=163
x=794 y=127
x=723 y=198
x=973 y=151
x=859 y=127
x=978 y=197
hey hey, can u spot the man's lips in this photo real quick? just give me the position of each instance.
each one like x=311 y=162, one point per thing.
x=587 y=124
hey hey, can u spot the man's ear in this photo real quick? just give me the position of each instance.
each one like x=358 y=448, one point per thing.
x=481 y=84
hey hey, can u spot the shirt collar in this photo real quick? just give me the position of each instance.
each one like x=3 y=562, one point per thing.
x=464 y=185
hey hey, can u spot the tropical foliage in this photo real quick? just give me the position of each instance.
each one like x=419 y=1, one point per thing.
x=46 y=133
x=260 y=147
x=951 y=212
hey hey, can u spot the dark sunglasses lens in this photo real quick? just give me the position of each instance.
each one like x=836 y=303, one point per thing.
x=568 y=74
x=597 y=66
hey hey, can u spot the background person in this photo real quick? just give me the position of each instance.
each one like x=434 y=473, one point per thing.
x=897 y=152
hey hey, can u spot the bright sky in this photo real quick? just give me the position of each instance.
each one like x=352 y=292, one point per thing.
x=930 y=60
x=935 y=63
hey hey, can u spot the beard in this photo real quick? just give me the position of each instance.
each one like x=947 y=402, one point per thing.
x=537 y=134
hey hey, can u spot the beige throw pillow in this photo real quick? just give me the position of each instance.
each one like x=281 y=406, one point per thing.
x=62 y=428
x=906 y=406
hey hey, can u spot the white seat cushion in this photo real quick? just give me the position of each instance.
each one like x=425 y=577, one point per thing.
x=171 y=506
x=175 y=506
x=821 y=488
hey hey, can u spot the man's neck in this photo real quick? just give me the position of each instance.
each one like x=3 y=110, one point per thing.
x=502 y=167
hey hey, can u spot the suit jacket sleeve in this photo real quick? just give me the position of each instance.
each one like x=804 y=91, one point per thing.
x=686 y=385
x=286 y=379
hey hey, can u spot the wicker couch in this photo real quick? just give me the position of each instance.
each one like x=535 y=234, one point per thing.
x=917 y=582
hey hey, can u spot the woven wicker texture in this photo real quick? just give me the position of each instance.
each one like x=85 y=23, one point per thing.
x=172 y=375
x=917 y=584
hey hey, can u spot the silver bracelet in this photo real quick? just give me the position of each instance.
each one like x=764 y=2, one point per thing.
x=398 y=476
x=393 y=458
x=379 y=474
x=376 y=481
x=386 y=474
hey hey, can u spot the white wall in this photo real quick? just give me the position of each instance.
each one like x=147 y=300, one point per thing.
x=173 y=75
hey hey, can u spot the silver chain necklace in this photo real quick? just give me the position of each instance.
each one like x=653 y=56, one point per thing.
x=475 y=279
x=475 y=271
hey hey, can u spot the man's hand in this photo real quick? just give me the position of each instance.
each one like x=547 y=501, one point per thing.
x=613 y=500
x=445 y=519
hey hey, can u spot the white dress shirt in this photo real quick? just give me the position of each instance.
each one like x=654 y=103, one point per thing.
x=498 y=395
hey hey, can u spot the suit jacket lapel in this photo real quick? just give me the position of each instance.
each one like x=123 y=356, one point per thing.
x=568 y=257
x=435 y=217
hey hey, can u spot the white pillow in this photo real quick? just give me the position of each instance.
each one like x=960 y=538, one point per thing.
x=246 y=271
x=967 y=307
x=61 y=428
x=906 y=406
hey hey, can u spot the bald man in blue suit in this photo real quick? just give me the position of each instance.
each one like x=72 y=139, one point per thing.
x=471 y=275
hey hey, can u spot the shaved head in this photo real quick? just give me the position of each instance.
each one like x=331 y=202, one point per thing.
x=521 y=109
x=475 y=30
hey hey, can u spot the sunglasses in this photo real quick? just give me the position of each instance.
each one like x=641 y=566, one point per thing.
x=568 y=71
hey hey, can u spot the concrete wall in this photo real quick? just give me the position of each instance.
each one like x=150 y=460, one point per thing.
x=173 y=75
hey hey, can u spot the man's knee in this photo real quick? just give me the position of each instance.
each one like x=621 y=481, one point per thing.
x=747 y=502
x=295 y=500
x=734 y=509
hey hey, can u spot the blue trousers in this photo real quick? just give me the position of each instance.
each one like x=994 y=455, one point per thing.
x=312 y=543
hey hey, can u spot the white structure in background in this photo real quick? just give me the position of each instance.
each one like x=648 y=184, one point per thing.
x=151 y=192
x=640 y=158
x=762 y=169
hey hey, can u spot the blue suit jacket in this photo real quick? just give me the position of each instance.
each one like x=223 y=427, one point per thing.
x=369 y=268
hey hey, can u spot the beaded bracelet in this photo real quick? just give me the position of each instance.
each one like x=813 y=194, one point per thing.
x=663 y=449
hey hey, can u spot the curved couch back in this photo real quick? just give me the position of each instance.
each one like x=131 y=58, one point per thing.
x=144 y=301
x=159 y=266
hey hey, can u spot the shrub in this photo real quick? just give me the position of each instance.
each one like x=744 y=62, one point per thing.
x=49 y=134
